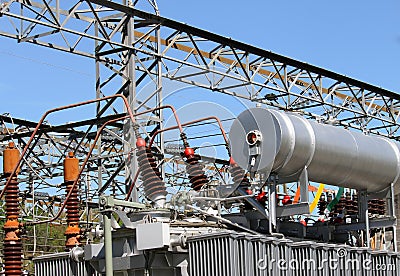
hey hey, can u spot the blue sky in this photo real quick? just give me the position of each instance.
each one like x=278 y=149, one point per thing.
x=357 y=38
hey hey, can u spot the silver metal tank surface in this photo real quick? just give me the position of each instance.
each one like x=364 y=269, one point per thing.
x=266 y=140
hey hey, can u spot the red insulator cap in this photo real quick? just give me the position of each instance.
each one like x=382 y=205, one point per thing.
x=188 y=152
x=140 y=142
x=231 y=161
x=286 y=200
x=249 y=192
x=303 y=222
x=261 y=197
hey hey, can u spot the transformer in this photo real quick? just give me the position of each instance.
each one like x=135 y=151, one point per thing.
x=286 y=144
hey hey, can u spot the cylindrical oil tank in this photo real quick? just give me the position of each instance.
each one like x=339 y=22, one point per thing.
x=266 y=140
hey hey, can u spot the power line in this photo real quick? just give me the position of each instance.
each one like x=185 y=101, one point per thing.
x=46 y=63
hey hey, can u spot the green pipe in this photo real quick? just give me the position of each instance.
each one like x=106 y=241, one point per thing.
x=336 y=199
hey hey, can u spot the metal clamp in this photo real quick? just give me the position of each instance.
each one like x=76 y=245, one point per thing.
x=109 y=201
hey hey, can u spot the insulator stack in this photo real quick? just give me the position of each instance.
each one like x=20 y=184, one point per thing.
x=12 y=240
x=329 y=198
x=239 y=175
x=339 y=207
x=153 y=185
x=322 y=204
x=355 y=198
x=381 y=207
x=353 y=205
x=240 y=178
x=372 y=207
x=71 y=172
x=350 y=205
x=376 y=207
x=195 y=170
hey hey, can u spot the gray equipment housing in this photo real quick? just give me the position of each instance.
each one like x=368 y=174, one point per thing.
x=289 y=144
x=239 y=254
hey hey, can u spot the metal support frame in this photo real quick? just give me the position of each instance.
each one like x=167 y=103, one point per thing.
x=392 y=213
x=108 y=242
x=107 y=203
x=272 y=202
x=303 y=206
x=391 y=220
x=303 y=182
x=136 y=48
x=130 y=92
x=363 y=214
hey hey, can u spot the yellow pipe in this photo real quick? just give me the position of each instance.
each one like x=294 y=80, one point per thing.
x=317 y=196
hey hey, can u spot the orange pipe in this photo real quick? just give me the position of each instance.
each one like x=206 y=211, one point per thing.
x=297 y=195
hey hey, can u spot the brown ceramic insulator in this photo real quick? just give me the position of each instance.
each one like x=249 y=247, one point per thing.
x=373 y=206
x=12 y=241
x=322 y=204
x=355 y=203
x=349 y=204
x=72 y=233
x=13 y=257
x=71 y=171
x=240 y=178
x=381 y=207
x=239 y=175
x=351 y=209
x=72 y=205
x=329 y=198
x=12 y=201
x=153 y=184
x=340 y=206
x=197 y=176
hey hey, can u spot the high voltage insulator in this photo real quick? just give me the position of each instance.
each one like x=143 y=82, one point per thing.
x=322 y=204
x=238 y=174
x=153 y=185
x=240 y=178
x=376 y=207
x=381 y=207
x=352 y=204
x=339 y=207
x=348 y=205
x=196 y=173
x=71 y=171
x=12 y=228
